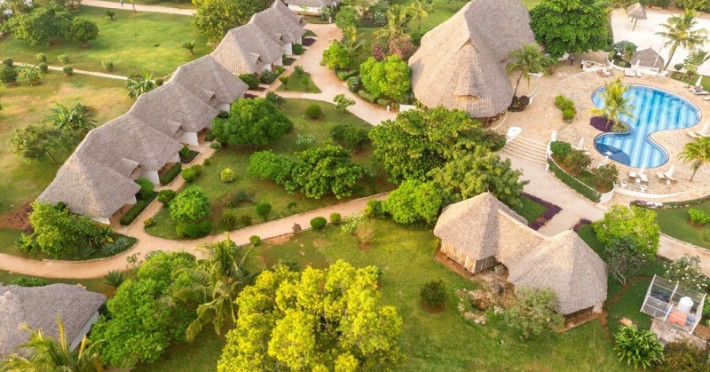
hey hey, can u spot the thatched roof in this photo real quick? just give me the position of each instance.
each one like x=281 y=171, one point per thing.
x=286 y=12
x=313 y=3
x=648 y=58
x=279 y=26
x=247 y=49
x=171 y=108
x=636 y=11
x=209 y=81
x=482 y=226
x=569 y=267
x=38 y=307
x=461 y=63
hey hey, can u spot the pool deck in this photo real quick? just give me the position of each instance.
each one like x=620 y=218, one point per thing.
x=541 y=118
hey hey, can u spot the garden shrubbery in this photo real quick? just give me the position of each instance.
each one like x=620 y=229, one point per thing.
x=565 y=105
x=314 y=112
x=577 y=162
x=318 y=223
x=433 y=293
x=350 y=136
x=251 y=80
x=227 y=175
x=698 y=217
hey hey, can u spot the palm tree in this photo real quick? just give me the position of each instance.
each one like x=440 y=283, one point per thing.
x=139 y=84
x=43 y=353
x=215 y=283
x=397 y=19
x=75 y=120
x=419 y=11
x=697 y=153
x=679 y=32
x=352 y=41
x=528 y=59
x=693 y=61
x=615 y=104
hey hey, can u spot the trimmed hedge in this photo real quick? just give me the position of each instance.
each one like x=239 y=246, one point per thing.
x=574 y=183
x=366 y=96
x=345 y=75
x=132 y=213
x=170 y=175
x=318 y=223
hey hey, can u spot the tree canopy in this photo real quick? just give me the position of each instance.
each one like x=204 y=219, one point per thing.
x=389 y=78
x=317 y=320
x=636 y=223
x=534 y=311
x=48 y=22
x=321 y=171
x=252 y=122
x=336 y=56
x=570 y=26
x=414 y=201
x=190 y=205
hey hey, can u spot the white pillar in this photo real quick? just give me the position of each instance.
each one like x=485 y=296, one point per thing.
x=189 y=138
x=288 y=49
x=151 y=176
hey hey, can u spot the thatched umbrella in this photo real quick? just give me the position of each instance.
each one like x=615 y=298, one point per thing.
x=636 y=11
x=648 y=58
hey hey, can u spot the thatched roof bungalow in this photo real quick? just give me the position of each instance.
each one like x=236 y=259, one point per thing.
x=206 y=79
x=312 y=7
x=647 y=58
x=461 y=63
x=247 y=49
x=278 y=22
x=38 y=308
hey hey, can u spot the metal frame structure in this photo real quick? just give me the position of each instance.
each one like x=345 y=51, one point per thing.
x=662 y=298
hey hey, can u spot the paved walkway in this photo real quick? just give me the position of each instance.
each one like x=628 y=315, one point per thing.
x=138 y=7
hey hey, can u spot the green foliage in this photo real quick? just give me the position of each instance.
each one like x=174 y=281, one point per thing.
x=568 y=115
x=688 y=272
x=564 y=103
x=605 y=176
x=63 y=59
x=251 y=80
x=287 y=319
x=7 y=62
x=37 y=142
x=189 y=175
x=82 y=30
x=255 y=240
x=190 y=205
x=639 y=348
x=342 y=103
x=114 y=278
x=29 y=281
x=614 y=102
x=692 y=4
x=336 y=56
x=215 y=17
x=347 y=17
x=414 y=201
x=147 y=188
x=139 y=84
x=144 y=319
x=433 y=293
x=698 y=217
x=526 y=60
x=375 y=209
x=268 y=165
x=636 y=223
x=267 y=77
x=697 y=153
x=133 y=213
x=350 y=136
x=170 y=174
x=30 y=75
x=685 y=357
x=681 y=31
x=263 y=209
x=227 y=175
x=43 y=67
x=534 y=311
x=8 y=74
x=575 y=184
x=354 y=84
x=335 y=218
x=40 y=25
x=297 y=49
x=318 y=223
x=41 y=57
x=110 y=14
x=560 y=149
x=390 y=78
x=189 y=46
x=314 y=112
x=327 y=170
x=366 y=96
x=251 y=122
x=107 y=65
x=275 y=99
x=574 y=26
x=577 y=161
x=149 y=222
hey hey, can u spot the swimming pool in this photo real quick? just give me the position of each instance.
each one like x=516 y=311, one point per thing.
x=654 y=110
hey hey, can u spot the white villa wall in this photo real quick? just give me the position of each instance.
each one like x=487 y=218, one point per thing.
x=189 y=138
x=151 y=176
x=221 y=107
x=288 y=49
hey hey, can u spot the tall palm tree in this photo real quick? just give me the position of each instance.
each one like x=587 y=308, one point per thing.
x=420 y=10
x=697 y=153
x=615 y=104
x=215 y=283
x=352 y=41
x=139 y=84
x=75 y=120
x=695 y=59
x=679 y=32
x=397 y=19
x=528 y=59
x=46 y=354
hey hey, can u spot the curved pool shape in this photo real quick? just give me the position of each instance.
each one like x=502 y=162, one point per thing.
x=654 y=110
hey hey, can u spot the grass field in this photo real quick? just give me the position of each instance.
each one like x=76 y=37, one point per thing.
x=283 y=204
x=96 y=285
x=135 y=42
x=300 y=83
x=166 y=3
x=674 y=222
x=530 y=209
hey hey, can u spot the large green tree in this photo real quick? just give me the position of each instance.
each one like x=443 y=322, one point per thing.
x=678 y=32
x=215 y=17
x=571 y=26
x=389 y=78
x=37 y=142
x=144 y=319
x=251 y=122
x=637 y=223
x=318 y=320
x=414 y=201
x=327 y=170
x=190 y=205
x=41 y=25
x=82 y=30
x=697 y=153
x=336 y=56
x=526 y=60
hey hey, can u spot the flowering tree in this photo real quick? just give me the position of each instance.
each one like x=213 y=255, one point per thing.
x=686 y=270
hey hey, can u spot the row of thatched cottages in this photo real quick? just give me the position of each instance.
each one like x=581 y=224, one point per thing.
x=98 y=179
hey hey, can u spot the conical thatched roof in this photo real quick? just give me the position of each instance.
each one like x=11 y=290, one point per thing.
x=171 y=108
x=209 y=81
x=648 y=58
x=482 y=226
x=279 y=26
x=636 y=11
x=569 y=267
x=38 y=307
x=247 y=49
x=286 y=12
x=461 y=63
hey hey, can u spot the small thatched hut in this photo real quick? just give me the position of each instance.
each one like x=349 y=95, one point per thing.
x=278 y=22
x=647 y=58
x=461 y=63
x=636 y=11
x=38 y=308
x=247 y=49
x=209 y=81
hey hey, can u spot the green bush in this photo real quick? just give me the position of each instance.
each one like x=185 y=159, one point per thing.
x=349 y=136
x=189 y=175
x=8 y=75
x=354 y=83
x=170 y=174
x=314 y=112
x=433 y=293
x=205 y=227
x=166 y=196
x=268 y=77
x=383 y=101
x=698 y=217
x=284 y=81
x=345 y=75
x=263 y=209
x=207 y=162
x=318 y=223
x=575 y=184
x=275 y=98
x=68 y=70
x=577 y=161
x=147 y=188
x=335 y=218
x=110 y=14
x=245 y=219
x=41 y=57
x=7 y=62
x=132 y=213
x=560 y=149
x=297 y=49
x=563 y=103
x=43 y=67
x=28 y=281
x=107 y=65
x=298 y=70
x=149 y=222
x=255 y=240
x=250 y=80
x=375 y=209
x=63 y=59
x=366 y=96
x=230 y=221
x=568 y=115
x=227 y=175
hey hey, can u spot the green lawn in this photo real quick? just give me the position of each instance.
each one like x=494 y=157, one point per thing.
x=530 y=209
x=96 y=285
x=283 y=204
x=300 y=83
x=166 y=3
x=674 y=222
x=135 y=42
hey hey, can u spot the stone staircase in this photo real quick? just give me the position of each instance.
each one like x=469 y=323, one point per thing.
x=526 y=149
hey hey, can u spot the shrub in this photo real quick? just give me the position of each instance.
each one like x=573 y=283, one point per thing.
x=275 y=98
x=284 y=81
x=63 y=59
x=342 y=102
x=28 y=281
x=698 y=217
x=342 y=74
x=147 y=188
x=318 y=223
x=577 y=161
x=170 y=174
x=335 y=218
x=41 y=57
x=8 y=75
x=684 y=356
x=433 y=293
x=227 y=175
x=43 y=67
x=114 y=278
x=149 y=222
x=638 y=347
x=297 y=49
x=229 y=220
x=605 y=176
x=245 y=219
x=563 y=103
x=560 y=149
x=215 y=146
x=298 y=70
x=251 y=80
x=205 y=227
x=314 y=112
x=383 y=101
x=375 y=209
x=68 y=70
x=568 y=115
x=207 y=162
x=366 y=96
x=354 y=84
x=267 y=77
x=189 y=175
x=255 y=240
x=575 y=184
x=166 y=196
x=364 y=233
x=263 y=209
x=107 y=65
x=416 y=36
x=132 y=213
x=349 y=136
x=7 y=62
x=110 y=14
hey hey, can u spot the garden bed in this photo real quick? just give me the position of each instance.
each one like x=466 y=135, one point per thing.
x=308 y=41
x=191 y=155
x=299 y=83
x=140 y=206
x=574 y=183
x=170 y=174
x=550 y=210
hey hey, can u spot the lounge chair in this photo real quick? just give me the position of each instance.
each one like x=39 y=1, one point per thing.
x=643 y=178
x=638 y=73
x=661 y=176
x=604 y=72
x=698 y=91
x=629 y=72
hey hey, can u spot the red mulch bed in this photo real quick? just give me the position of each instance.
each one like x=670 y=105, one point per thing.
x=308 y=41
x=18 y=219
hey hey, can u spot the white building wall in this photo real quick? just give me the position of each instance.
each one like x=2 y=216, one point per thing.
x=288 y=49
x=221 y=107
x=189 y=138
x=152 y=176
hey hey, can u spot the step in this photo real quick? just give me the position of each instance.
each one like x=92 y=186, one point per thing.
x=533 y=157
x=522 y=141
x=526 y=147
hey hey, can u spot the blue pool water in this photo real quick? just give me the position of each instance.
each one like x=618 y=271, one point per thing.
x=654 y=110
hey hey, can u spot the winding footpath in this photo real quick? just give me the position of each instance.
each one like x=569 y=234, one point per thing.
x=138 y=7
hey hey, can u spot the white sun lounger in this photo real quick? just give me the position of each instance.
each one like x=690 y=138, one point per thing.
x=643 y=178
x=629 y=72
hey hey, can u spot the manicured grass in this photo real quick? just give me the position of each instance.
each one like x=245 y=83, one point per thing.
x=283 y=204
x=166 y=3
x=20 y=181
x=8 y=237
x=441 y=11
x=201 y=355
x=96 y=285
x=629 y=306
x=530 y=210
x=135 y=42
x=531 y=3
x=705 y=82
x=674 y=222
x=300 y=83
